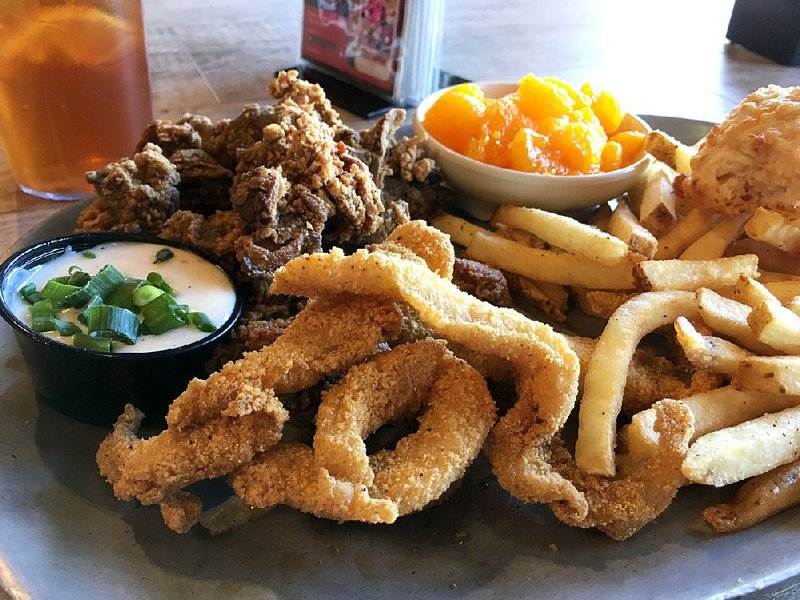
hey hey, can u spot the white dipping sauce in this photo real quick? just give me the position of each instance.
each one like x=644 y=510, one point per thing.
x=196 y=282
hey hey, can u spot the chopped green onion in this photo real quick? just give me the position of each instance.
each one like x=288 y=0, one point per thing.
x=78 y=277
x=157 y=280
x=102 y=284
x=81 y=340
x=44 y=308
x=65 y=328
x=182 y=311
x=146 y=294
x=201 y=321
x=144 y=329
x=42 y=323
x=53 y=290
x=95 y=301
x=160 y=315
x=29 y=293
x=163 y=255
x=87 y=254
x=123 y=295
x=74 y=269
x=113 y=321
x=62 y=279
x=42 y=314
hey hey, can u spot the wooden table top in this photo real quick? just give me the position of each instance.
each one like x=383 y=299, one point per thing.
x=212 y=57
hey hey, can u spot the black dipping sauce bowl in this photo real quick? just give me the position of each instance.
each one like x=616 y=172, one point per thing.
x=93 y=387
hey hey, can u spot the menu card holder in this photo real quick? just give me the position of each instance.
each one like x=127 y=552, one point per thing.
x=371 y=55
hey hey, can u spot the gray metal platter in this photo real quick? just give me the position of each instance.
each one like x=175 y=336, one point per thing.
x=63 y=535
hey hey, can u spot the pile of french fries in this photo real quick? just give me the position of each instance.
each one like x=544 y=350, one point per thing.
x=724 y=289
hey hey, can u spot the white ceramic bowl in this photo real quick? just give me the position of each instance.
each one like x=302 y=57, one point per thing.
x=482 y=187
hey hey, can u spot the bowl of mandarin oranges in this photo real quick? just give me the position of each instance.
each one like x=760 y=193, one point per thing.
x=540 y=142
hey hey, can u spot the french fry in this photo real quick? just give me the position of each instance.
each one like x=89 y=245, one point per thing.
x=686 y=231
x=716 y=240
x=773 y=374
x=708 y=352
x=601 y=303
x=545 y=265
x=683 y=158
x=776 y=326
x=758 y=499
x=745 y=450
x=657 y=206
x=624 y=225
x=729 y=318
x=751 y=292
x=770 y=258
x=654 y=275
x=604 y=383
x=565 y=232
x=712 y=410
x=459 y=230
x=773 y=228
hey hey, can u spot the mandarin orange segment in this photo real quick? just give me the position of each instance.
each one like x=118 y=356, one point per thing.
x=502 y=120
x=527 y=151
x=611 y=158
x=456 y=116
x=608 y=111
x=631 y=143
x=578 y=147
x=580 y=98
x=540 y=99
x=475 y=149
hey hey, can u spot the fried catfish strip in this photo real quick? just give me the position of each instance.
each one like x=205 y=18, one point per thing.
x=621 y=507
x=329 y=336
x=377 y=392
x=546 y=369
x=431 y=245
x=155 y=470
x=288 y=474
x=455 y=414
x=181 y=511
x=134 y=194
x=453 y=425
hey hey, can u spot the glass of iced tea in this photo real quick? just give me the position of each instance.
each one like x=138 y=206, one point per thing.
x=74 y=90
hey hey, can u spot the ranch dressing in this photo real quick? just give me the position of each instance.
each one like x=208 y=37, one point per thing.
x=196 y=282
